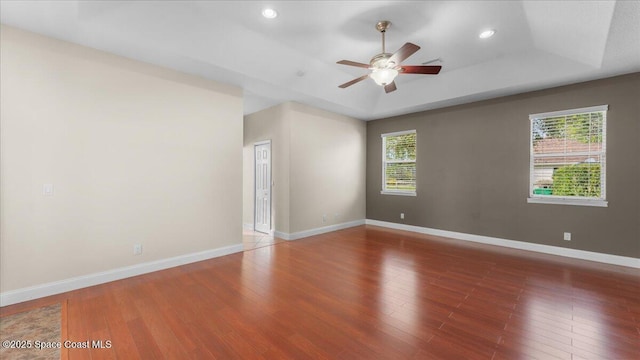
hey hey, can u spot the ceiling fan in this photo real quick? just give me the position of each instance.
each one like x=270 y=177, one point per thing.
x=385 y=66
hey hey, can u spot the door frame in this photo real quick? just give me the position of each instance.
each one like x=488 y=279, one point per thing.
x=255 y=175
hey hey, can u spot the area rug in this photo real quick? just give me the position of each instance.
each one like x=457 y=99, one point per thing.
x=32 y=334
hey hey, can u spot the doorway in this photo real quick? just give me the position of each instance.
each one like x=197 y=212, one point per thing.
x=262 y=204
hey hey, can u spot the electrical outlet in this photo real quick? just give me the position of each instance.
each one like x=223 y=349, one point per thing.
x=324 y=218
x=567 y=236
x=137 y=249
x=47 y=189
x=401 y=215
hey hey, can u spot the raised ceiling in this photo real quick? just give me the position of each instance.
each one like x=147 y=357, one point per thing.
x=538 y=44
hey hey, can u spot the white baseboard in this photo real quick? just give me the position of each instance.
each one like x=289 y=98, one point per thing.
x=57 y=287
x=281 y=235
x=250 y=227
x=546 y=249
x=246 y=226
x=318 y=231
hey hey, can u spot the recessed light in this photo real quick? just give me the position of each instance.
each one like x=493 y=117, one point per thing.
x=269 y=13
x=487 y=34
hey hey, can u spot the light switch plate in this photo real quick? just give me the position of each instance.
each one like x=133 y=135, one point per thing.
x=47 y=189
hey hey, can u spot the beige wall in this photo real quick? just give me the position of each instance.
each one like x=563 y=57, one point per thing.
x=136 y=154
x=318 y=166
x=269 y=124
x=328 y=165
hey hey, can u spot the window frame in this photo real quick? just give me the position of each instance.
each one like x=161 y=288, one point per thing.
x=384 y=190
x=570 y=200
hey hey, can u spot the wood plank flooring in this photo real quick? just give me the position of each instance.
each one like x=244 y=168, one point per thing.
x=254 y=239
x=364 y=293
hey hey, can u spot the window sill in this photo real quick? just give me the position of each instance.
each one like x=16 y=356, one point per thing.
x=401 y=193
x=575 y=202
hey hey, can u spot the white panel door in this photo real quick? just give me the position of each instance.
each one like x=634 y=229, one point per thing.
x=262 y=219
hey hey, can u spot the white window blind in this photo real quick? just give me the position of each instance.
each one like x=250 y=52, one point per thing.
x=399 y=163
x=568 y=157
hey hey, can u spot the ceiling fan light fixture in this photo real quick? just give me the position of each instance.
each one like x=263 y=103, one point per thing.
x=487 y=34
x=386 y=66
x=384 y=76
x=269 y=13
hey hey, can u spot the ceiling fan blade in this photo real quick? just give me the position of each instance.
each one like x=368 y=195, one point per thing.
x=404 y=52
x=390 y=87
x=353 y=63
x=420 y=69
x=357 y=80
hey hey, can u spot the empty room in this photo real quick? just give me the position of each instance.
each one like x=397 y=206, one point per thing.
x=319 y=179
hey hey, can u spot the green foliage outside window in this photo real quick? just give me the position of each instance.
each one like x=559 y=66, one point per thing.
x=401 y=176
x=577 y=180
x=401 y=147
x=574 y=145
x=400 y=166
x=584 y=128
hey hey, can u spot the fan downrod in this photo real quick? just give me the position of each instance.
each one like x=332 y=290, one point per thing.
x=382 y=26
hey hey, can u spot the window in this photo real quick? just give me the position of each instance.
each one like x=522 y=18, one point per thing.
x=399 y=163
x=568 y=157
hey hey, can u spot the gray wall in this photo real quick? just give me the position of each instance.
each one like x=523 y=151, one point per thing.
x=473 y=170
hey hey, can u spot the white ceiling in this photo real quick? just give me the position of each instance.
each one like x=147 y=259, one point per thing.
x=538 y=44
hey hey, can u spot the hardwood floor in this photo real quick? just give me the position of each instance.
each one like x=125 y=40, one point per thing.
x=254 y=239
x=364 y=293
